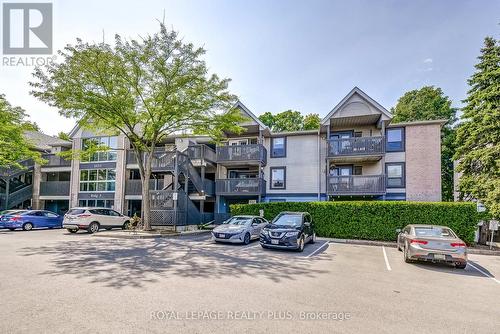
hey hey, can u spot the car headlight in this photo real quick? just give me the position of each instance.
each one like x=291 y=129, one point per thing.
x=292 y=234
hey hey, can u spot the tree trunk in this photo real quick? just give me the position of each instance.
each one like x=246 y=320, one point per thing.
x=146 y=205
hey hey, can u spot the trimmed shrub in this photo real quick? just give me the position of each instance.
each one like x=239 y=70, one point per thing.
x=373 y=220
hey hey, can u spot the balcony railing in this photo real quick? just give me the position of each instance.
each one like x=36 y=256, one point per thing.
x=162 y=159
x=54 y=188
x=54 y=160
x=201 y=152
x=255 y=153
x=356 y=185
x=134 y=187
x=25 y=165
x=246 y=186
x=356 y=146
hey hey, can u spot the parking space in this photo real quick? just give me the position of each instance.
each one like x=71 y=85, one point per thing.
x=116 y=284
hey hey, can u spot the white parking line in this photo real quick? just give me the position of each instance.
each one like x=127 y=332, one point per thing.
x=317 y=250
x=388 y=266
x=482 y=272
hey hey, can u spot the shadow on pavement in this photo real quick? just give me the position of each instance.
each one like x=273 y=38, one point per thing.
x=121 y=263
x=449 y=269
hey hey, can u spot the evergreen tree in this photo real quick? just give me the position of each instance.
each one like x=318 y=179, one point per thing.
x=478 y=136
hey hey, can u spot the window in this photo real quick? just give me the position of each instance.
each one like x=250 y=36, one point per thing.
x=92 y=203
x=395 y=140
x=110 y=155
x=97 y=180
x=278 y=177
x=358 y=170
x=278 y=147
x=358 y=134
x=395 y=174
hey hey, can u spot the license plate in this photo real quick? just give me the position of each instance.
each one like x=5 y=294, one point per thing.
x=221 y=235
x=275 y=242
x=439 y=256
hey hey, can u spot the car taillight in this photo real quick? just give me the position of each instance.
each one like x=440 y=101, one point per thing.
x=83 y=216
x=16 y=218
x=416 y=241
x=457 y=244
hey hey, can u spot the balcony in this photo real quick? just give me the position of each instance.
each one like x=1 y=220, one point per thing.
x=356 y=185
x=134 y=187
x=162 y=160
x=201 y=154
x=253 y=154
x=54 y=188
x=356 y=149
x=238 y=187
x=54 y=160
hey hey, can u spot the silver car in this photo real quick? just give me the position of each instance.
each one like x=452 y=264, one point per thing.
x=239 y=229
x=432 y=243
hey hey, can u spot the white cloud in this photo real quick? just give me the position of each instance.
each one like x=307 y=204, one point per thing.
x=428 y=60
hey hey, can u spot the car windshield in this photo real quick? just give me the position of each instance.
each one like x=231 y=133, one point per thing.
x=76 y=211
x=434 y=232
x=288 y=220
x=238 y=221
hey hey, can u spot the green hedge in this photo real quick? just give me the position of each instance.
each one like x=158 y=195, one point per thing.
x=373 y=220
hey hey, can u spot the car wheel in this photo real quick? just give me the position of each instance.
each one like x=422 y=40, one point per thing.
x=72 y=230
x=313 y=238
x=125 y=225
x=12 y=229
x=246 y=238
x=301 y=244
x=461 y=265
x=93 y=227
x=27 y=227
x=405 y=255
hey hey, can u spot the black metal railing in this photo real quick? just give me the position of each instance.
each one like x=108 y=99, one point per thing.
x=54 y=188
x=162 y=159
x=356 y=146
x=242 y=153
x=246 y=186
x=356 y=185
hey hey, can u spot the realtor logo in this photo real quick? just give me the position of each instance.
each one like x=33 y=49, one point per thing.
x=27 y=28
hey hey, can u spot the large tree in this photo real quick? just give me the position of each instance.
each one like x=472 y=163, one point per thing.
x=14 y=147
x=146 y=89
x=290 y=120
x=430 y=103
x=478 y=135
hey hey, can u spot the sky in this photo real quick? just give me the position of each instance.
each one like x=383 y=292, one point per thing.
x=300 y=55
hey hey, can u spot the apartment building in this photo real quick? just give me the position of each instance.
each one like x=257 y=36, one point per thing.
x=38 y=186
x=357 y=153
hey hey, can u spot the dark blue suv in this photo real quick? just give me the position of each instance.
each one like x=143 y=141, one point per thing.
x=288 y=230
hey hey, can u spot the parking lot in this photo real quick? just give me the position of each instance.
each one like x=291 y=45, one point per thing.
x=55 y=282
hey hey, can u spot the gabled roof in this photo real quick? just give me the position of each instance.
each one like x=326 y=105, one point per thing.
x=240 y=105
x=44 y=142
x=365 y=96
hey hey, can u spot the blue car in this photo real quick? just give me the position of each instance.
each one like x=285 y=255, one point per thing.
x=9 y=212
x=32 y=219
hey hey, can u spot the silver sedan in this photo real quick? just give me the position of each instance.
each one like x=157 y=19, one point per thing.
x=239 y=229
x=432 y=243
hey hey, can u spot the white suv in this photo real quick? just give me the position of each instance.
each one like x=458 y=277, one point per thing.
x=92 y=219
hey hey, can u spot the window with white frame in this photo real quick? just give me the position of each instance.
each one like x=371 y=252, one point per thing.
x=97 y=180
x=109 y=155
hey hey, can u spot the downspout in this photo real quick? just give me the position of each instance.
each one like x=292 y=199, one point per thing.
x=319 y=163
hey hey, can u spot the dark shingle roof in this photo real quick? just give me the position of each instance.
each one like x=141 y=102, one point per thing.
x=44 y=142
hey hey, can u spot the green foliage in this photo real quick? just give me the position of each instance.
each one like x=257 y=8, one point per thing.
x=290 y=120
x=146 y=89
x=478 y=135
x=430 y=103
x=13 y=145
x=64 y=136
x=373 y=220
